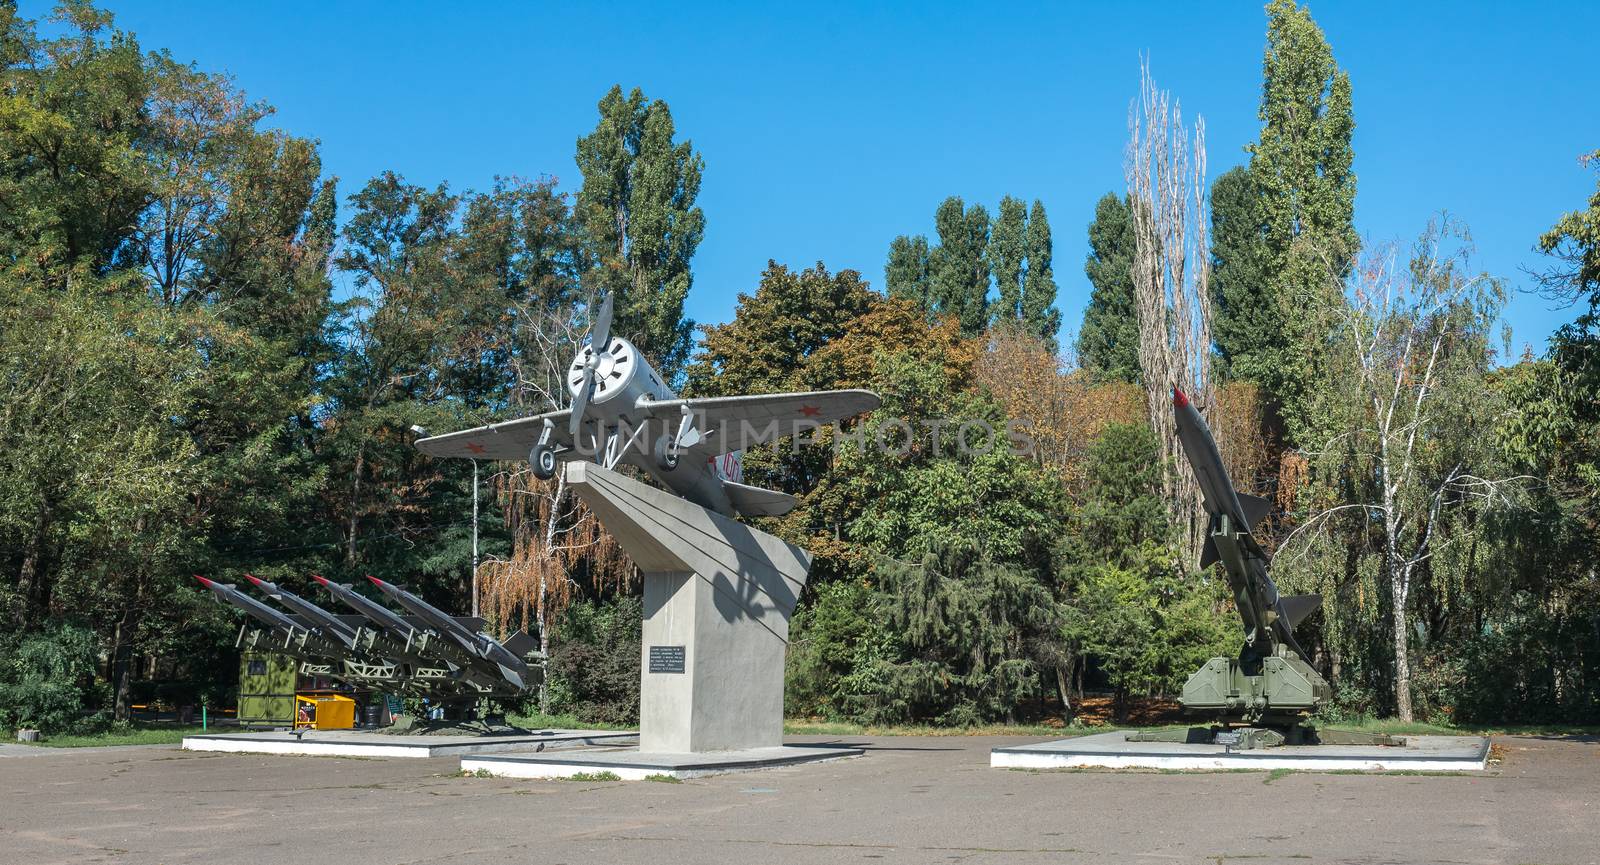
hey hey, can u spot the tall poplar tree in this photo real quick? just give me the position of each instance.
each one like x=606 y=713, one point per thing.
x=1108 y=342
x=1039 y=312
x=639 y=222
x=1301 y=167
x=1005 y=255
x=960 y=270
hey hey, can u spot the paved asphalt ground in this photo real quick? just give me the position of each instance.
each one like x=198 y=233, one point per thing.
x=909 y=800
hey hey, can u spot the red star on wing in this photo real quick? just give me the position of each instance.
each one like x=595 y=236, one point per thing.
x=810 y=410
x=477 y=448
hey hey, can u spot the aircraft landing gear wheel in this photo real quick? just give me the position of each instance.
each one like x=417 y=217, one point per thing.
x=665 y=457
x=543 y=459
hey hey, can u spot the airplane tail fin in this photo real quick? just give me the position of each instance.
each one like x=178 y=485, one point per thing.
x=757 y=502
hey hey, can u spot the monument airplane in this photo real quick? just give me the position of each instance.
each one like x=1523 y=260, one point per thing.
x=619 y=402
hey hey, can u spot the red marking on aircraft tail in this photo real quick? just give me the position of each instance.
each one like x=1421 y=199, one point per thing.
x=477 y=448
x=810 y=410
x=1178 y=399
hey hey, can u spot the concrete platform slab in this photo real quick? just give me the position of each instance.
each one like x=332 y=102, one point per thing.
x=632 y=765
x=1114 y=751
x=359 y=743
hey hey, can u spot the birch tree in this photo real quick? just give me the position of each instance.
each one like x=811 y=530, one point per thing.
x=1404 y=375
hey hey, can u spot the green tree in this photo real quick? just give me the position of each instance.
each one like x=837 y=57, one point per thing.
x=1005 y=254
x=74 y=133
x=963 y=619
x=775 y=331
x=98 y=481
x=1302 y=172
x=639 y=222
x=1407 y=464
x=1019 y=254
x=1574 y=243
x=1244 y=316
x=906 y=275
x=1039 y=313
x=1108 y=341
x=960 y=273
x=1126 y=600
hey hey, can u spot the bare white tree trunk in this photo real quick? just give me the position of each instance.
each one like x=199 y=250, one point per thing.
x=1166 y=177
x=1400 y=328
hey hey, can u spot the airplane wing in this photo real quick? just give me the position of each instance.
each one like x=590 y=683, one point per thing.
x=734 y=423
x=509 y=440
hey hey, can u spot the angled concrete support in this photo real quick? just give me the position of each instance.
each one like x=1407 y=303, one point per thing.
x=717 y=600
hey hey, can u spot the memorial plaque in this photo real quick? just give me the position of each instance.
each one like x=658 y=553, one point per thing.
x=666 y=659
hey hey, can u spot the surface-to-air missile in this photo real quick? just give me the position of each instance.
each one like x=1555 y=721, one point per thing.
x=356 y=663
x=393 y=634
x=1269 y=687
x=318 y=617
x=511 y=667
x=283 y=634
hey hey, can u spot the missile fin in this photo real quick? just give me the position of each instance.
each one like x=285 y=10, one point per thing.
x=1297 y=607
x=1256 y=508
x=1209 y=554
x=520 y=643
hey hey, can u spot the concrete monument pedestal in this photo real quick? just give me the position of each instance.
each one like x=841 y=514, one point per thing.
x=718 y=595
x=366 y=743
x=1114 y=751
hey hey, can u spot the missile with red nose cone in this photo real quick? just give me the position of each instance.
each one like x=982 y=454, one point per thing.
x=1206 y=461
x=315 y=615
x=253 y=608
x=1269 y=619
x=292 y=637
x=375 y=612
x=511 y=667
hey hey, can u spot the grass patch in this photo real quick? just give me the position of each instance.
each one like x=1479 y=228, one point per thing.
x=541 y=721
x=1418 y=728
x=593 y=776
x=1275 y=774
x=135 y=734
x=664 y=779
x=813 y=727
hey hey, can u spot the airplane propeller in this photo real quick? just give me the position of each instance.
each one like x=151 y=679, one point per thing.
x=599 y=340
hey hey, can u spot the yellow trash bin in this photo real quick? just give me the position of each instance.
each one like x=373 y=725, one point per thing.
x=325 y=711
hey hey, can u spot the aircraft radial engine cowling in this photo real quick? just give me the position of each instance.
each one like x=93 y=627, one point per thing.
x=621 y=375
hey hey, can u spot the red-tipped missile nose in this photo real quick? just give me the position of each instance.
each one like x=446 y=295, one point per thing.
x=320 y=579
x=1178 y=399
x=376 y=581
x=203 y=581
x=256 y=580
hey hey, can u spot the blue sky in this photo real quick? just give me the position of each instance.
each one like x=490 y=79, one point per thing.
x=829 y=129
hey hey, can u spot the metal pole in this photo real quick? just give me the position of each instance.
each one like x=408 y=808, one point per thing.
x=474 y=538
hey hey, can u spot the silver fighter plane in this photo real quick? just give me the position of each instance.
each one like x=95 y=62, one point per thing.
x=623 y=412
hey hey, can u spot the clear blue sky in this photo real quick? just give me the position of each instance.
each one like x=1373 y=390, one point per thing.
x=829 y=130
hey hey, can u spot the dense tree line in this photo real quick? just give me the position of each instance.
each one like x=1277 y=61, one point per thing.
x=213 y=356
